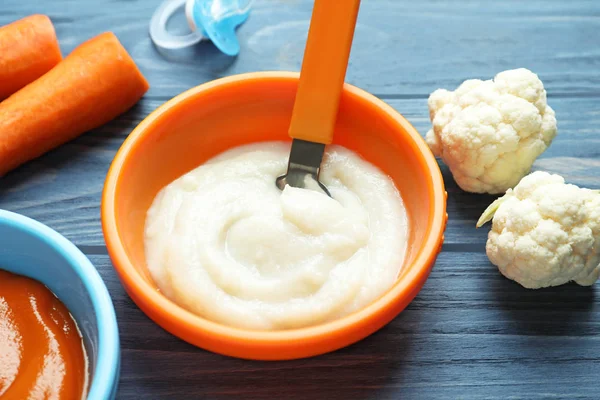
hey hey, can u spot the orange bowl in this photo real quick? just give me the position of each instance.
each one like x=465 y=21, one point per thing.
x=211 y=118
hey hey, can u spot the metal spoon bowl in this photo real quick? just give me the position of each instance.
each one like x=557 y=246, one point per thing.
x=304 y=166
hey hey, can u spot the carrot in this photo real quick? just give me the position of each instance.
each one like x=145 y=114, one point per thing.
x=94 y=84
x=28 y=49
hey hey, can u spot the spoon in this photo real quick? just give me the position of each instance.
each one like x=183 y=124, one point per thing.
x=321 y=81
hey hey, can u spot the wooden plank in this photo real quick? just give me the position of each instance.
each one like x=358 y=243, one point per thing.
x=62 y=189
x=401 y=47
x=470 y=333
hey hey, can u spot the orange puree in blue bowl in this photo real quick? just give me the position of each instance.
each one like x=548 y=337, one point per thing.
x=41 y=350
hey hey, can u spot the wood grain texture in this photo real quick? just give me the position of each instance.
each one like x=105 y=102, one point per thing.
x=401 y=47
x=470 y=333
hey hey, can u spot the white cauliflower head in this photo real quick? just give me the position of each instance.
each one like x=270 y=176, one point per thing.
x=489 y=133
x=545 y=232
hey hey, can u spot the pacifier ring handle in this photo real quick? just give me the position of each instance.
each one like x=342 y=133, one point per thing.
x=158 y=26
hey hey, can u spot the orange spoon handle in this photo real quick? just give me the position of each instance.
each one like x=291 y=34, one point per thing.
x=323 y=70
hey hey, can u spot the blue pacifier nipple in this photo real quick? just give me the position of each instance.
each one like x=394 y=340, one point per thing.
x=216 y=20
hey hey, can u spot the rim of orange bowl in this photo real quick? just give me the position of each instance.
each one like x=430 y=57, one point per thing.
x=171 y=311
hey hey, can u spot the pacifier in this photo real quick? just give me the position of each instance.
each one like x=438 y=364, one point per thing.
x=214 y=20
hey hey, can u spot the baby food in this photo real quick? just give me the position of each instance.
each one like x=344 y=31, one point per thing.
x=41 y=351
x=225 y=243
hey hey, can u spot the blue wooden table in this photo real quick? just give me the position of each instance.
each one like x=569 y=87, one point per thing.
x=470 y=333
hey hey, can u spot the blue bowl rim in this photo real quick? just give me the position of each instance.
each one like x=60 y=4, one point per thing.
x=106 y=368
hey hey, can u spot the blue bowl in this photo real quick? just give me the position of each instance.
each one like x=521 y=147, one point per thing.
x=32 y=249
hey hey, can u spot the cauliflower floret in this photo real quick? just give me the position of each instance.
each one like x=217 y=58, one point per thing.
x=490 y=132
x=545 y=232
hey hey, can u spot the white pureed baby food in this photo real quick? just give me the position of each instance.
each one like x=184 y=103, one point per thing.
x=225 y=243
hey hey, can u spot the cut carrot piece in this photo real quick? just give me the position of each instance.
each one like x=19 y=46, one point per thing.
x=94 y=84
x=28 y=49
